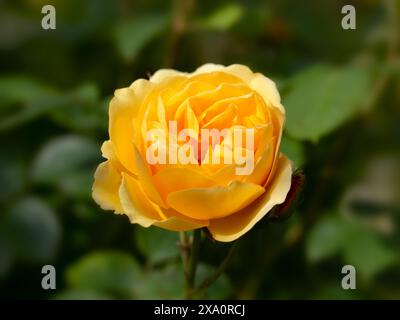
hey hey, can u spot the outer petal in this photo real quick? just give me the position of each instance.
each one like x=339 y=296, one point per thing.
x=135 y=203
x=232 y=227
x=140 y=209
x=278 y=119
x=123 y=108
x=256 y=81
x=145 y=179
x=209 y=67
x=181 y=223
x=238 y=70
x=267 y=90
x=263 y=166
x=107 y=181
x=215 y=202
x=107 y=150
x=259 y=83
x=162 y=74
x=241 y=72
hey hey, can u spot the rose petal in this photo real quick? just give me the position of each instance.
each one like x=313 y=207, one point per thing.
x=186 y=119
x=123 y=108
x=137 y=206
x=107 y=181
x=256 y=81
x=163 y=74
x=224 y=120
x=263 y=166
x=140 y=209
x=267 y=89
x=232 y=227
x=175 y=179
x=144 y=178
x=180 y=223
x=215 y=202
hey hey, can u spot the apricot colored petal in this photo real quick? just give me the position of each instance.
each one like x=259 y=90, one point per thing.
x=123 y=108
x=256 y=81
x=137 y=206
x=232 y=227
x=226 y=174
x=262 y=137
x=175 y=179
x=107 y=181
x=180 y=223
x=107 y=151
x=214 y=202
x=223 y=120
x=144 y=178
x=187 y=119
x=191 y=88
x=209 y=67
x=163 y=74
x=262 y=167
x=266 y=88
x=239 y=71
x=140 y=209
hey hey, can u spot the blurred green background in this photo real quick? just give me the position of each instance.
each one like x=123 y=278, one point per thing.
x=341 y=92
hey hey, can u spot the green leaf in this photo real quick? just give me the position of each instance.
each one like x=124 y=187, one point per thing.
x=77 y=184
x=12 y=175
x=165 y=283
x=81 y=109
x=22 y=88
x=321 y=98
x=358 y=245
x=223 y=18
x=367 y=253
x=220 y=289
x=23 y=99
x=326 y=238
x=168 y=283
x=31 y=231
x=131 y=36
x=107 y=272
x=63 y=156
x=28 y=112
x=293 y=150
x=157 y=244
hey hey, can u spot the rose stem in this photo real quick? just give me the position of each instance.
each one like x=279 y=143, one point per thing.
x=194 y=257
x=184 y=247
x=218 y=272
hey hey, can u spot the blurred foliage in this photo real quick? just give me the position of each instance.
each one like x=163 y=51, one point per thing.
x=341 y=93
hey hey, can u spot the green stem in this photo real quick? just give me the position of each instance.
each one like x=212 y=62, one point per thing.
x=184 y=247
x=194 y=257
x=218 y=272
x=190 y=258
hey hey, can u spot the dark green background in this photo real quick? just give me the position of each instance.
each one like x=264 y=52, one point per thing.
x=341 y=92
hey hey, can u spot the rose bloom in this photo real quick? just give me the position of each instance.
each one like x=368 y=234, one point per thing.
x=195 y=195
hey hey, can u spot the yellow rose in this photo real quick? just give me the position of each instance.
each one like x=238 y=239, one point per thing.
x=186 y=196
